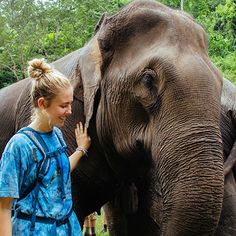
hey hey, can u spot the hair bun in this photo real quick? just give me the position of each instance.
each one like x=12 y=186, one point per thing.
x=37 y=68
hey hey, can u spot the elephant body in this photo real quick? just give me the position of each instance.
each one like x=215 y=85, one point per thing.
x=159 y=121
x=227 y=224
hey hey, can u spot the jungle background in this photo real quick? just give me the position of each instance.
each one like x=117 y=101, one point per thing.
x=53 y=28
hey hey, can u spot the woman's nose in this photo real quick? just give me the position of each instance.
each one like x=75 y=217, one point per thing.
x=69 y=111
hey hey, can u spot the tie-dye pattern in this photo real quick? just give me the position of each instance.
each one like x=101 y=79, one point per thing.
x=18 y=172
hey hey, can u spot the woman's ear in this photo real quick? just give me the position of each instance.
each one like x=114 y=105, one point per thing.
x=42 y=103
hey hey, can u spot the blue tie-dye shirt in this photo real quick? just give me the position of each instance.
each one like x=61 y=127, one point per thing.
x=18 y=167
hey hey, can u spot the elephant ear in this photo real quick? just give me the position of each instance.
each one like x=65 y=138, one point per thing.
x=100 y=23
x=90 y=68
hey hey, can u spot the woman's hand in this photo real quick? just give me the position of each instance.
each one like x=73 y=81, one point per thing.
x=83 y=142
x=82 y=138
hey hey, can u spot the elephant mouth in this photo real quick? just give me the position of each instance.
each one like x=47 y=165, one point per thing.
x=134 y=160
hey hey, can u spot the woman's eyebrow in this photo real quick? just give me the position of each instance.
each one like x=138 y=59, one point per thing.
x=67 y=102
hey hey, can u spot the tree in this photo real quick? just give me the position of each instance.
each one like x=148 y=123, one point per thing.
x=182 y=5
x=54 y=28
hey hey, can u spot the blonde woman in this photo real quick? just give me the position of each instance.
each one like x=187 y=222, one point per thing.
x=35 y=169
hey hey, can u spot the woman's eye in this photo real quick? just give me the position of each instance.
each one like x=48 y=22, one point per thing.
x=147 y=79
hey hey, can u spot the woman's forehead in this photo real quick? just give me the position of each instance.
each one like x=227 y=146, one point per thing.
x=65 y=95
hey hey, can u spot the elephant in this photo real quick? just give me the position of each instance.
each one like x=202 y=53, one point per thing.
x=161 y=120
x=227 y=224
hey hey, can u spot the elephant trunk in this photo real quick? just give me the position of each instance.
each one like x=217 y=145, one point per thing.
x=190 y=172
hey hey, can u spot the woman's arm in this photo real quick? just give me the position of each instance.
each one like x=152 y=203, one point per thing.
x=5 y=216
x=83 y=142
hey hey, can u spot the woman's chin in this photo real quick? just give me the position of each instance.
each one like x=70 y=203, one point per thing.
x=59 y=124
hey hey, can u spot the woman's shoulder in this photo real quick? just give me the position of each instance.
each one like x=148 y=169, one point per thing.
x=19 y=142
x=18 y=150
x=18 y=139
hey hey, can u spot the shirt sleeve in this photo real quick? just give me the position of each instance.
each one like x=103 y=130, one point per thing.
x=12 y=169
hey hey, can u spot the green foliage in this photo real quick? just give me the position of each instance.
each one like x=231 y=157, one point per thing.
x=54 y=28
x=49 y=29
x=172 y=3
x=221 y=26
x=227 y=65
x=6 y=78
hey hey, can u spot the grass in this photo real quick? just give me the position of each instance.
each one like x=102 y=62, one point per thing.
x=99 y=225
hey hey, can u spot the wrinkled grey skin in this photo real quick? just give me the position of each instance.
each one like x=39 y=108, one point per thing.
x=227 y=224
x=150 y=96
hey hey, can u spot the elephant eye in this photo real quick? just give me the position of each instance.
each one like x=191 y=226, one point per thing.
x=147 y=79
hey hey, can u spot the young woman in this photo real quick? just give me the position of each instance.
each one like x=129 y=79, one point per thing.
x=34 y=168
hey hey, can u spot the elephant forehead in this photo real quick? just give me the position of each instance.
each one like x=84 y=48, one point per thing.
x=145 y=21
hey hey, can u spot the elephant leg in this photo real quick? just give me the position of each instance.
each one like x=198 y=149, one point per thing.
x=231 y=160
x=140 y=224
x=227 y=223
x=116 y=220
x=147 y=220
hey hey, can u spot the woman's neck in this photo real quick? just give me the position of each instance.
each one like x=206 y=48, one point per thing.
x=40 y=125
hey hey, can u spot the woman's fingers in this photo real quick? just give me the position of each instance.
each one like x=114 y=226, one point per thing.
x=82 y=138
x=80 y=129
x=85 y=130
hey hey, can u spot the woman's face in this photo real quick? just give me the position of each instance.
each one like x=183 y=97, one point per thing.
x=60 y=107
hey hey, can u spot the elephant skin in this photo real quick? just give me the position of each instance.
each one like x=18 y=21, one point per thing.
x=151 y=98
x=227 y=224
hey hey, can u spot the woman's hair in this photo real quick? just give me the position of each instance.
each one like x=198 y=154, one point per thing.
x=47 y=82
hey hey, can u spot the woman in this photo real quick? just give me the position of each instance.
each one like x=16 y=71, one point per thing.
x=34 y=168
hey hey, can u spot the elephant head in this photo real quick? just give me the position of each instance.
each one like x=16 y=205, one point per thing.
x=155 y=95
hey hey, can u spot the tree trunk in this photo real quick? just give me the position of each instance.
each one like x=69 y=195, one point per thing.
x=182 y=5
